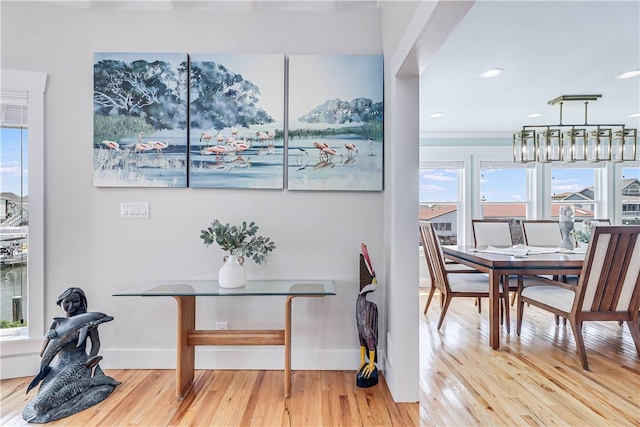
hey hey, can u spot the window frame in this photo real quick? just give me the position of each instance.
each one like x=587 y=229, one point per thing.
x=459 y=166
x=34 y=83
x=600 y=191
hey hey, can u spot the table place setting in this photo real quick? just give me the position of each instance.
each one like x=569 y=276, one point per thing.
x=521 y=251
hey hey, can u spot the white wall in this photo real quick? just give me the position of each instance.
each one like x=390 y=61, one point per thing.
x=87 y=245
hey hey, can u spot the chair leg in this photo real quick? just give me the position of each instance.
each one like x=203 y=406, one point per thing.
x=432 y=290
x=634 y=329
x=576 y=327
x=519 y=314
x=513 y=297
x=557 y=319
x=507 y=316
x=479 y=305
x=564 y=321
x=445 y=307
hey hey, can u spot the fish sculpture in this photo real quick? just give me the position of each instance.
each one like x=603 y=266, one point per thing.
x=68 y=330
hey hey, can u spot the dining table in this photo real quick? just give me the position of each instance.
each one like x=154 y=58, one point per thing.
x=521 y=261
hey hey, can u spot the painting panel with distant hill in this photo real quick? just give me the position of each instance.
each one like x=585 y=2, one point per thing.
x=236 y=137
x=140 y=119
x=335 y=135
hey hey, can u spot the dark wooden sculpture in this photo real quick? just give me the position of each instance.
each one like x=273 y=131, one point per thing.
x=367 y=321
x=76 y=382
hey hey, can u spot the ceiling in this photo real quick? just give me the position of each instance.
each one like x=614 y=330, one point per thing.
x=546 y=48
x=225 y=5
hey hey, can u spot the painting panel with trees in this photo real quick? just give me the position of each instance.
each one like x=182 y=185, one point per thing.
x=236 y=121
x=335 y=132
x=140 y=119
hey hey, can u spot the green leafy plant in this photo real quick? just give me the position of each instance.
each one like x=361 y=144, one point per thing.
x=239 y=240
x=581 y=236
x=5 y=324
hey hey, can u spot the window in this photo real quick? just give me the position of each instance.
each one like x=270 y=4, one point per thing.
x=631 y=196
x=503 y=194
x=440 y=198
x=22 y=127
x=14 y=221
x=442 y=226
x=575 y=187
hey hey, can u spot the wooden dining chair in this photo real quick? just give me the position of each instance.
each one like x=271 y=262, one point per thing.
x=495 y=232
x=452 y=284
x=541 y=232
x=608 y=288
x=544 y=232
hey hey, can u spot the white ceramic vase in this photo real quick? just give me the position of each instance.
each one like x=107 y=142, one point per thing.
x=232 y=274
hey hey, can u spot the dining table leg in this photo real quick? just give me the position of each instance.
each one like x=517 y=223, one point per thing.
x=494 y=309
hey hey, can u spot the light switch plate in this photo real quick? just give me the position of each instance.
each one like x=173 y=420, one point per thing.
x=135 y=210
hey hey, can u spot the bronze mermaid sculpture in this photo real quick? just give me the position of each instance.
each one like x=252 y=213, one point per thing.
x=76 y=382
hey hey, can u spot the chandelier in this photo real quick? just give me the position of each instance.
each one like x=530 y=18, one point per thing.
x=572 y=143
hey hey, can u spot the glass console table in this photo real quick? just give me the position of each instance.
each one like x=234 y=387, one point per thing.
x=185 y=293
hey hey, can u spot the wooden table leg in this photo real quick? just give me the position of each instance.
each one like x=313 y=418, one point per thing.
x=287 y=346
x=186 y=353
x=494 y=309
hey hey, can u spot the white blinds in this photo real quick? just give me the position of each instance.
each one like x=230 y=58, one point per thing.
x=14 y=108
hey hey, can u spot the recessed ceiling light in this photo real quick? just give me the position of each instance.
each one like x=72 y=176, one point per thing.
x=634 y=115
x=435 y=115
x=629 y=74
x=492 y=72
x=532 y=115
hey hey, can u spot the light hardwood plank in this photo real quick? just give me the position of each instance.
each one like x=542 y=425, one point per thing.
x=534 y=379
x=228 y=398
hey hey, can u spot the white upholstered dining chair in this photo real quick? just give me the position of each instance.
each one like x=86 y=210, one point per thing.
x=608 y=288
x=491 y=232
x=495 y=232
x=456 y=283
x=541 y=232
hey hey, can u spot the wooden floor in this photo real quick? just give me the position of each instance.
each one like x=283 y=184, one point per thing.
x=228 y=398
x=533 y=380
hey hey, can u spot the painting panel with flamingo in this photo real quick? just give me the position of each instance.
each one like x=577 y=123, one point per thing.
x=140 y=119
x=236 y=137
x=335 y=130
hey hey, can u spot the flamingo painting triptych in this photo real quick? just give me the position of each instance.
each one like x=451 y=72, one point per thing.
x=335 y=122
x=217 y=121
x=140 y=119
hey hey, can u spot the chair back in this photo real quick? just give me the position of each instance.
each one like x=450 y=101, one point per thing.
x=542 y=232
x=433 y=254
x=491 y=232
x=609 y=285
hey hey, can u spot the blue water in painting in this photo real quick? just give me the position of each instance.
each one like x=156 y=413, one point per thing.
x=308 y=169
x=256 y=167
x=259 y=167
x=154 y=168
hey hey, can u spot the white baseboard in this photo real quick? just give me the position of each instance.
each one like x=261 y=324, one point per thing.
x=24 y=365
x=234 y=358
x=251 y=358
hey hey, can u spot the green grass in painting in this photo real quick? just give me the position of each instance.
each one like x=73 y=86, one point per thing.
x=117 y=127
x=368 y=130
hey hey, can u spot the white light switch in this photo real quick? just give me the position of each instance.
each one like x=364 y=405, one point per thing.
x=136 y=210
